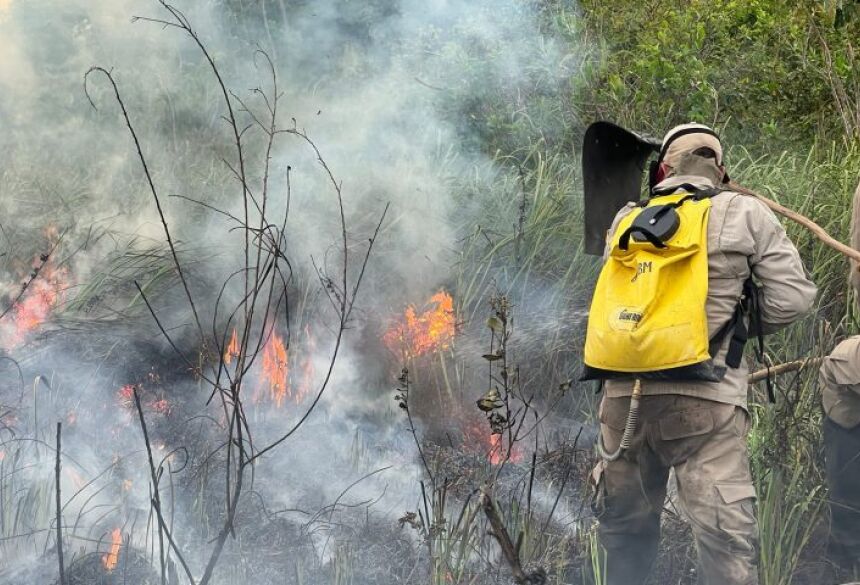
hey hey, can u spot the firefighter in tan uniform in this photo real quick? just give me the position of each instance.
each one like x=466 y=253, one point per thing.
x=840 y=393
x=698 y=428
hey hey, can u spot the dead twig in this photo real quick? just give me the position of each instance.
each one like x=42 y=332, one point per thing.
x=779 y=369
x=151 y=184
x=59 y=509
x=509 y=550
x=156 y=501
x=818 y=231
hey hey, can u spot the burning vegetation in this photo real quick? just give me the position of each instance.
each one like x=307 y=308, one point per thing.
x=275 y=368
x=43 y=291
x=191 y=460
x=428 y=331
x=111 y=558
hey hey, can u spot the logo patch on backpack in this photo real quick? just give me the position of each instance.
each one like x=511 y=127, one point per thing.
x=626 y=318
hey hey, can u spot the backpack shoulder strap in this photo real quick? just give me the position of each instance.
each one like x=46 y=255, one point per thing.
x=748 y=308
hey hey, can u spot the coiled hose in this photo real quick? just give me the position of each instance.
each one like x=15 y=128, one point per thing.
x=629 y=427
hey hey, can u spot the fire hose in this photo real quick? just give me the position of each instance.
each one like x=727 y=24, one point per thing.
x=629 y=427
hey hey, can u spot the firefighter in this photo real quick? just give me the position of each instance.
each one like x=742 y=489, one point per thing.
x=840 y=393
x=693 y=419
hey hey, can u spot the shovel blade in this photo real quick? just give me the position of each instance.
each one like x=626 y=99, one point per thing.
x=613 y=163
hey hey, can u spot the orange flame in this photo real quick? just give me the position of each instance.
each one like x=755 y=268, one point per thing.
x=431 y=331
x=44 y=293
x=499 y=451
x=492 y=445
x=275 y=368
x=232 y=350
x=110 y=559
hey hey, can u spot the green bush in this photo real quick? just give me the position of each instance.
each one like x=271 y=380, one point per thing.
x=766 y=70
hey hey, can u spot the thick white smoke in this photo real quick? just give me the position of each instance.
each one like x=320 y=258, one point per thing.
x=394 y=93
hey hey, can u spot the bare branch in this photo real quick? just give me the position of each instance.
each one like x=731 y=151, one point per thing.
x=152 y=188
x=59 y=509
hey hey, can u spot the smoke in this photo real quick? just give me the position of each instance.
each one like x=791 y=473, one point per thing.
x=402 y=98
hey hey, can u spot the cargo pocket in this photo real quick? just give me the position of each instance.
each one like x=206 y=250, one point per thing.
x=613 y=412
x=743 y=422
x=613 y=419
x=681 y=434
x=736 y=515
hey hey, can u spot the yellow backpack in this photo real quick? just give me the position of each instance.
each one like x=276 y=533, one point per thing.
x=647 y=317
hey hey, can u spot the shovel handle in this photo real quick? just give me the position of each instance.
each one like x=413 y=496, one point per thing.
x=816 y=229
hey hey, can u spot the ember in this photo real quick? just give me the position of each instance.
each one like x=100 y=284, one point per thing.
x=431 y=331
x=126 y=393
x=109 y=560
x=161 y=406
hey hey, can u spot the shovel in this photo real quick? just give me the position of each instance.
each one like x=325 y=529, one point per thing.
x=613 y=162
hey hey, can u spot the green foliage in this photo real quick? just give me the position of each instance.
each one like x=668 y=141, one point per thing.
x=769 y=70
x=786 y=515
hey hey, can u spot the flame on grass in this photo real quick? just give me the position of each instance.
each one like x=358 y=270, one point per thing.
x=429 y=331
x=45 y=291
x=498 y=450
x=232 y=351
x=276 y=368
x=110 y=559
x=494 y=446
